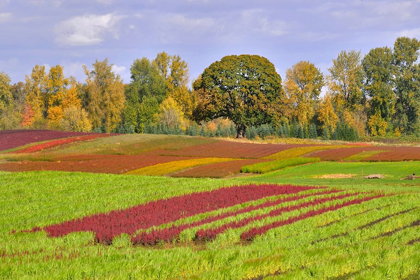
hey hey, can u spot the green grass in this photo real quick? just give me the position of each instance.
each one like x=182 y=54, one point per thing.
x=309 y=175
x=41 y=198
x=264 y=167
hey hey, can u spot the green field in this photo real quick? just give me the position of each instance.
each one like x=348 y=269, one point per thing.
x=377 y=239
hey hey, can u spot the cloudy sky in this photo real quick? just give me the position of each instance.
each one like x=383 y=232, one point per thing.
x=76 y=32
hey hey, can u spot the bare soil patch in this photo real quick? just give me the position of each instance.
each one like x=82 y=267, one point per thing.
x=334 y=176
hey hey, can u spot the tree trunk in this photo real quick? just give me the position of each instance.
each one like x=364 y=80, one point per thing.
x=240 y=130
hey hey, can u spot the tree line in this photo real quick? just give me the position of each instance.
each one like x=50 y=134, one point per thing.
x=377 y=95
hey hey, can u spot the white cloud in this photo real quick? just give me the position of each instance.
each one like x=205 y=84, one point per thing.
x=5 y=17
x=86 y=30
x=118 y=69
x=74 y=69
x=412 y=33
x=122 y=71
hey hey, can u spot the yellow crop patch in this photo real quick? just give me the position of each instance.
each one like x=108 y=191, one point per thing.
x=174 y=166
x=297 y=152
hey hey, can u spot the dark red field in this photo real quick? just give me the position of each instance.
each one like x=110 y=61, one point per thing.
x=115 y=164
x=10 y=139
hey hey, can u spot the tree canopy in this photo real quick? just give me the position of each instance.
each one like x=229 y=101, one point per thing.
x=244 y=88
x=303 y=85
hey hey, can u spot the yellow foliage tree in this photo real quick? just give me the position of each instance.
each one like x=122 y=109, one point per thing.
x=72 y=98
x=170 y=113
x=106 y=96
x=377 y=125
x=303 y=85
x=326 y=113
x=75 y=119
x=56 y=93
x=35 y=87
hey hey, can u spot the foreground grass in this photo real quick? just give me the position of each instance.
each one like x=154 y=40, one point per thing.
x=294 y=252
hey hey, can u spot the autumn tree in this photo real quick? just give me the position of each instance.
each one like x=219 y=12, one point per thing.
x=105 y=95
x=35 y=87
x=8 y=116
x=378 y=87
x=244 y=88
x=6 y=98
x=303 y=85
x=72 y=96
x=18 y=92
x=407 y=84
x=75 y=119
x=345 y=81
x=56 y=91
x=170 y=114
x=326 y=113
x=175 y=72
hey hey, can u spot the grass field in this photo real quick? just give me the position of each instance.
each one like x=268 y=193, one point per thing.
x=340 y=226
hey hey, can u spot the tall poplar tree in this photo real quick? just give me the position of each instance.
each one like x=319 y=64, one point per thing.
x=407 y=85
x=378 y=86
x=56 y=91
x=35 y=87
x=346 y=77
x=105 y=96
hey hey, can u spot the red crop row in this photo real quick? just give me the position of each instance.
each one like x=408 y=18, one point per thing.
x=10 y=139
x=59 y=142
x=109 y=225
x=252 y=233
x=393 y=154
x=397 y=154
x=218 y=170
x=211 y=233
x=168 y=234
x=115 y=164
x=229 y=149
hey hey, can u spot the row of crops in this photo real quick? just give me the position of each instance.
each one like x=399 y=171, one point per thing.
x=258 y=208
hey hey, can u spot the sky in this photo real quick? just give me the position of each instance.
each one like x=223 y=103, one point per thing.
x=76 y=32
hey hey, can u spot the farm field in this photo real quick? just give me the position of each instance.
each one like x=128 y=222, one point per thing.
x=303 y=218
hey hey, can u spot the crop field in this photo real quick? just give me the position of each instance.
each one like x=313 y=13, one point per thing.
x=378 y=153
x=10 y=139
x=85 y=210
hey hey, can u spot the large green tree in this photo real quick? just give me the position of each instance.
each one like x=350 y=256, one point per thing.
x=244 y=88
x=378 y=86
x=407 y=84
x=105 y=96
x=144 y=94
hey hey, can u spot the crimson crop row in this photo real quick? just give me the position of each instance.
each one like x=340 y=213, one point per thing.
x=107 y=226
